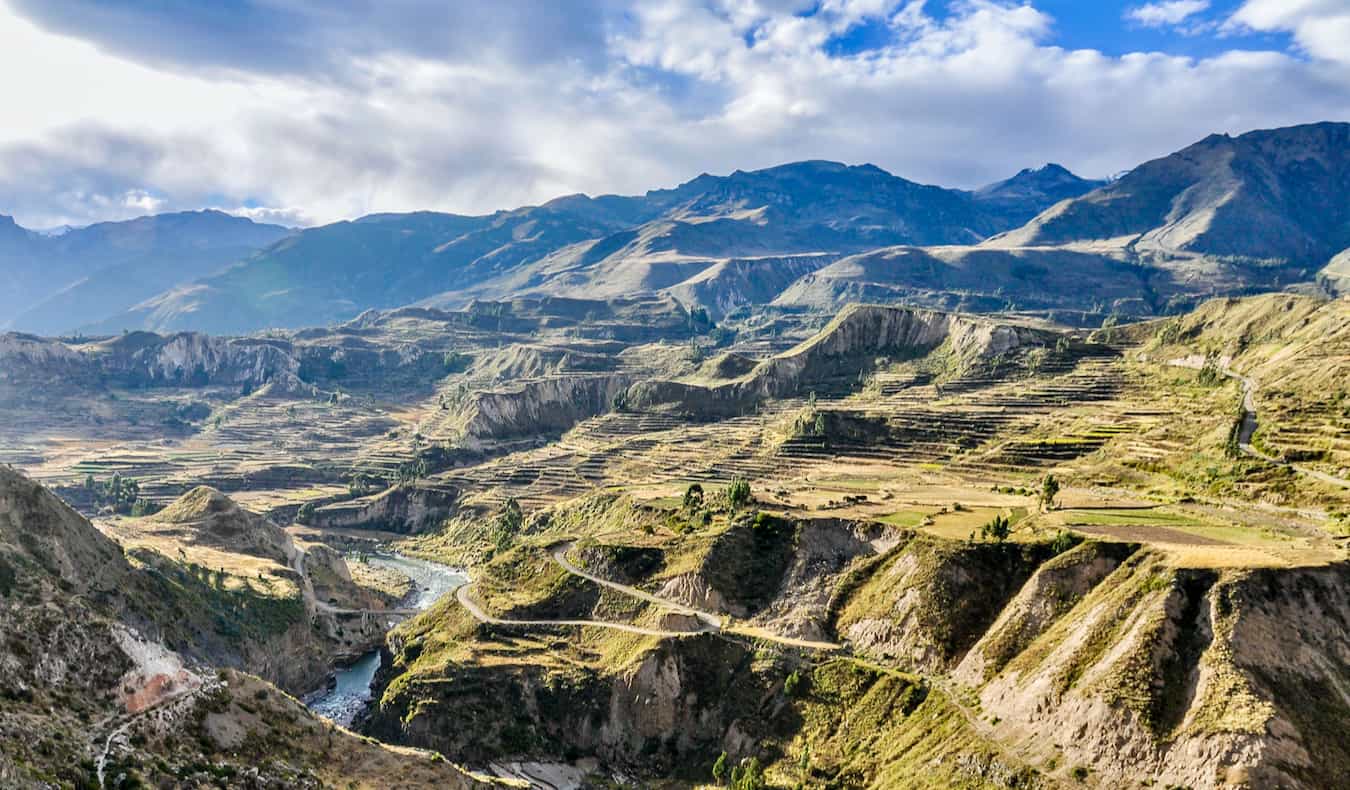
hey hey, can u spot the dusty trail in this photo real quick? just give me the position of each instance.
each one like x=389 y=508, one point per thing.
x=1249 y=423
x=709 y=622
x=462 y=595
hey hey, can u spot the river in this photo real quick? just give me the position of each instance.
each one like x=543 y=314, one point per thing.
x=349 y=694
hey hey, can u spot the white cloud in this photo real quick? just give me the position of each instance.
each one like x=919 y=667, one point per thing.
x=1321 y=27
x=675 y=89
x=1172 y=12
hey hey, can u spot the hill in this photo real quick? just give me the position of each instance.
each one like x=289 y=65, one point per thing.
x=95 y=697
x=61 y=280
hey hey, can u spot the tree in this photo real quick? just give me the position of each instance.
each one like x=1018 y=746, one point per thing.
x=738 y=493
x=1063 y=542
x=1049 y=490
x=749 y=775
x=999 y=529
x=719 y=768
x=306 y=513
x=513 y=518
x=693 y=497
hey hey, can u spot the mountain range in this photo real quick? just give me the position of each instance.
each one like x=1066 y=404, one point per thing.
x=1226 y=215
x=59 y=282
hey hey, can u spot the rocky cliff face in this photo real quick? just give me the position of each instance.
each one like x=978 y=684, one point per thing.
x=846 y=346
x=403 y=508
x=190 y=359
x=1198 y=678
x=1103 y=658
x=538 y=407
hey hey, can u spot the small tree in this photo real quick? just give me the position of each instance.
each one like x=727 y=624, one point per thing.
x=738 y=493
x=693 y=497
x=513 y=518
x=1063 y=542
x=719 y=768
x=306 y=513
x=999 y=529
x=1049 y=490
x=749 y=776
x=792 y=683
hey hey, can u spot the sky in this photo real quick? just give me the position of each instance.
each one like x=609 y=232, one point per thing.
x=305 y=113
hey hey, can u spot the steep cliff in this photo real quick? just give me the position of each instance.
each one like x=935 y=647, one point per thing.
x=848 y=345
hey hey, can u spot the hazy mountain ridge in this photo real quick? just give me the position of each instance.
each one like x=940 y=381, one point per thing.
x=1227 y=215
x=577 y=246
x=61 y=281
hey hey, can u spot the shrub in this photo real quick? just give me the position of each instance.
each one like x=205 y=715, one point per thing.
x=738 y=493
x=1049 y=490
x=999 y=529
x=749 y=775
x=306 y=513
x=719 y=768
x=693 y=497
x=1064 y=540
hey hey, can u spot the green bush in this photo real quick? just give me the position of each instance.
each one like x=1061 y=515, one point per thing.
x=999 y=529
x=693 y=497
x=738 y=493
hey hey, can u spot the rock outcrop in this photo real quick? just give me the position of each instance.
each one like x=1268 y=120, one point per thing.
x=848 y=345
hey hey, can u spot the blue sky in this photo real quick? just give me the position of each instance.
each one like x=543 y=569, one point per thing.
x=306 y=113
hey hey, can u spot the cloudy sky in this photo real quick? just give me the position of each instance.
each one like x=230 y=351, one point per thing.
x=307 y=113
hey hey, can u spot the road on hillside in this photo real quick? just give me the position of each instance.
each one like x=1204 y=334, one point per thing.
x=709 y=622
x=462 y=595
x=1249 y=423
x=712 y=623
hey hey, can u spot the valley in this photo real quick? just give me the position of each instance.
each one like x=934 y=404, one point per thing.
x=807 y=476
x=676 y=548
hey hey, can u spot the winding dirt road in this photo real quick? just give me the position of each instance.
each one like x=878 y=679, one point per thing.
x=1249 y=422
x=709 y=622
x=462 y=595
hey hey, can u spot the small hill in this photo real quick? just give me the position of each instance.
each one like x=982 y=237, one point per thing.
x=40 y=533
x=206 y=516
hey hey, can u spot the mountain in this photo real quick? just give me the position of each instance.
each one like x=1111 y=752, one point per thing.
x=1227 y=215
x=107 y=673
x=63 y=280
x=1031 y=191
x=1280 y=195
x=799 y=216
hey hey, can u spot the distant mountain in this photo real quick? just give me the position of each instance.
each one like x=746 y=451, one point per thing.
x=61 y=281
x=696 y=236
x=1281 y=195
x=1031 y=191
x=1228 y=215
x=1335 y=276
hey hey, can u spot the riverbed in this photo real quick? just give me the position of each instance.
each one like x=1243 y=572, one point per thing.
x=349 y=693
